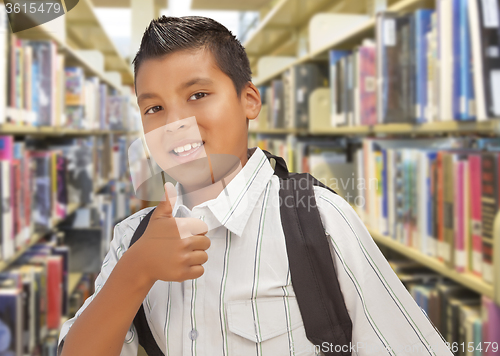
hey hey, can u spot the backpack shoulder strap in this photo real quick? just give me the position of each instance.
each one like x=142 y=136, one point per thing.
x=313 y=274
x=146 y=338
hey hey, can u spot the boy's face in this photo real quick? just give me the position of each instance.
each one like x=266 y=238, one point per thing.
x=185 y=97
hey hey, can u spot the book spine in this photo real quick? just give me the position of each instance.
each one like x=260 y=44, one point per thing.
x=457 y=102
x=431 y=199
x=448 y=208
x=440 y=205
x=459 y=240
x=489 y=209
x=478 y=67
x=476 y=220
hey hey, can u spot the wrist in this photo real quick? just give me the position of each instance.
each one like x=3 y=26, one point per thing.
x=132 y=265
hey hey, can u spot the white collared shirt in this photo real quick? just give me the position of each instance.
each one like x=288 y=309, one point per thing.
x=244 y=303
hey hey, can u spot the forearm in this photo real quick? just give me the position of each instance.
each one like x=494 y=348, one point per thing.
x=103 y=325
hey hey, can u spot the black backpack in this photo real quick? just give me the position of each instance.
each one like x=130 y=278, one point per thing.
x=313 y=275
x=314 y=280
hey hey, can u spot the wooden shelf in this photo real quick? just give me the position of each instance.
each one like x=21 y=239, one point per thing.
x=12 y=129
x=35 y=238
x=84 y=31
x=346 y=41
x=279 y=131
x=466 y=279
x=276 y=27
x=248 y=5
x=465 y=127
x=82 y=22
x=73 y=281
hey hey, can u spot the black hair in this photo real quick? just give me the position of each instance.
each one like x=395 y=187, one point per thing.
x=169 y=34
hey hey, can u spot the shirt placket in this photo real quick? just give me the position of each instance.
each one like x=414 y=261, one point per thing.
x=192 y=309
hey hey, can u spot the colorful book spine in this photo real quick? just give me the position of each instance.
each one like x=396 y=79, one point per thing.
x=460 y=255
x=422 y=27
x=367 y=85
x=475 y=214
x=467 y=100
x=489 y=209
x=334 y=56
x=7 y=233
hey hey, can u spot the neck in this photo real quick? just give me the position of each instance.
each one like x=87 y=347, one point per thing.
x=193 y=197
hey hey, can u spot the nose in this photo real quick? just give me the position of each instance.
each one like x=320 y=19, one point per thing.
x=176 y=124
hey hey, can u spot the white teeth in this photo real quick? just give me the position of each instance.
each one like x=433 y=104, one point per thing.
x=187 y=147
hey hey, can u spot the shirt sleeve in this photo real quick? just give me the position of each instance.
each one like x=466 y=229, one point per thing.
x=385 y=317
x=122 y=234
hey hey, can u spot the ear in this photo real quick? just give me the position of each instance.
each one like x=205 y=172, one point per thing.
x=251 y=101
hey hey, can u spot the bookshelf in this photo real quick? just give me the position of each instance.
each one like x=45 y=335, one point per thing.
x=466 y=279
x=322 y=131
x=434 y=128
x=79 y=41
x=347 y=40
x=83 y=31
x=34 y=239
x=17 y=130
x=37 y=236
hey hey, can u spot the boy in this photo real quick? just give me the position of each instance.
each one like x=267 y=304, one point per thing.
x=224 y=288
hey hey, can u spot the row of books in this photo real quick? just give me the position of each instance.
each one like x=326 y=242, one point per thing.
x=84 y=290
x=425 y=66
x=439 y=197
x=468 y=322
x=285 y=102
x=89 y=106
x=39 y=182
x=38 y=89
x=34 y=297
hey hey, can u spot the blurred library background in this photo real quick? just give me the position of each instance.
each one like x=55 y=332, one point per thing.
x=395 y=104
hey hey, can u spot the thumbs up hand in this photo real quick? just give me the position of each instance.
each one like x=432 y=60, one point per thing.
x=171 y=249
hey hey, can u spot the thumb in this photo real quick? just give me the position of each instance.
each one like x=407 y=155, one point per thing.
x=167 y=206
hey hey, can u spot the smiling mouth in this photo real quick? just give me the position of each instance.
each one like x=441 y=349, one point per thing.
x=188 y=149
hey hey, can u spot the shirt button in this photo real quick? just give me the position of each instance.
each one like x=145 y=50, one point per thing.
x=193 y=334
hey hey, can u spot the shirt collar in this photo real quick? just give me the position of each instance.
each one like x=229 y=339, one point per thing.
x=233 y=206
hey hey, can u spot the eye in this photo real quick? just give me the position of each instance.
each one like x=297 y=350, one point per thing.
x=197 y=96
x=153 y=110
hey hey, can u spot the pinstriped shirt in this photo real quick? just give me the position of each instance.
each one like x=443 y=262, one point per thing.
x=244 y=303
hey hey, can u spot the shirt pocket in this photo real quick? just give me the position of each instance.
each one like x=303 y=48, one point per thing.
x=274 y=324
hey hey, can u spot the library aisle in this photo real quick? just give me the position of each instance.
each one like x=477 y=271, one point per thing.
x=394 y=104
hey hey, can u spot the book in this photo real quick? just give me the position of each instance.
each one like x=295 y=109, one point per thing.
x=11 y=321
x=74 y=86
x=3 y=61
x=44 y=57
x=422 y=26
x=485 y=41
x=393 y=68
x=476 y=259
x=42 y=202
x=367 y=85
x=445 y=53
x=8 y=242
x=300 y=81
x=491 y=326
x=334 y=57
x=489 y=209
x=276 y=116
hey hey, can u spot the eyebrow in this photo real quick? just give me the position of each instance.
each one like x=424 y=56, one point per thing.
x=146 y=96
x=197 y=80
